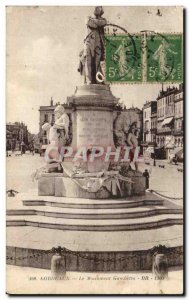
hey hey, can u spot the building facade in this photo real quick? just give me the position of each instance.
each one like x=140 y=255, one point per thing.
x=179 y=120
x=153 y=128
x=170 y=119
x=163 y=120
x=149 y=122
x=16 y=133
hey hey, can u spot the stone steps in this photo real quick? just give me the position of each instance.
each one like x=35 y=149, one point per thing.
x=96 y=224
x=31 y=195
x=109 y=213
x=114 y=205
x=104 y=227
x=129 y=202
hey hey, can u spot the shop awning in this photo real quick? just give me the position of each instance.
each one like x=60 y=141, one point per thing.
x=169 y=145
x=178 y=151
x=167 y=121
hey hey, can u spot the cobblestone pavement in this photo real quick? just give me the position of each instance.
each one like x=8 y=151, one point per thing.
x=167 y=181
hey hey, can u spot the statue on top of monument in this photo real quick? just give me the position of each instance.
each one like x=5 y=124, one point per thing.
x=93 y=54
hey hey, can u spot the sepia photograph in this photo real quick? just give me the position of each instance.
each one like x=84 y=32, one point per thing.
x=95 y=150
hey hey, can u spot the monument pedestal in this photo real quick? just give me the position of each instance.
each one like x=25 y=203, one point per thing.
x=60 y=185
x=92 y=116
x=92 y=130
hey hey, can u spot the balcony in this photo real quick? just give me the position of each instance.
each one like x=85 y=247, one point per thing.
x=169 y=115
x=146 y=131
x=178 y=132
x=153 y=130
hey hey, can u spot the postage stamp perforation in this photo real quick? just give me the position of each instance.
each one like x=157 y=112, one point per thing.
x=142 y=83
x=142 y=32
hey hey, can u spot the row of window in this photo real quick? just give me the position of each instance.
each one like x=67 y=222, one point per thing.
x=154 y=124
x=147 y=114
x=179 y=125
x=178 y=141
x=171 y=110
x=179 y=96
x=163 y=103
x=147 y=125
x=48 y=118
x=167 y=100
x=179 y=109
x=161 y=112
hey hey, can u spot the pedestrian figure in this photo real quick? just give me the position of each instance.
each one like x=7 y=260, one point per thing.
x=147 y=176
x=175 y=159
x=22 y=146
x=32 y=150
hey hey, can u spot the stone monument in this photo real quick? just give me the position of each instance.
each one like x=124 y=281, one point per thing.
x=92 y=129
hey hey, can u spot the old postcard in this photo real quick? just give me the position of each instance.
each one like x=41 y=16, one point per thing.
x=94 y=146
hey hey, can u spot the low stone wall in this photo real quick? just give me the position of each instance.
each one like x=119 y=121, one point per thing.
x=92 y=261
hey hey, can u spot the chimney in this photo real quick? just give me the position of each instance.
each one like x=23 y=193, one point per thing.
x=162 y=88
x=51 y=103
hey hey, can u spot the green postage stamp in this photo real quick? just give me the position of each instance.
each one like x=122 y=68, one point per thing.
x=146 y=57
x=123 y=58
x=164 y=58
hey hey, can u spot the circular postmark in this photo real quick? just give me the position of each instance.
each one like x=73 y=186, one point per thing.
x=122 y=55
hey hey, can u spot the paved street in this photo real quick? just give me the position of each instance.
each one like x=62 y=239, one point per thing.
x=167 y=181
x=20 y=169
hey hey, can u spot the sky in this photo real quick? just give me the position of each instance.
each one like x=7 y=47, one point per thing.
x=42 y=48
